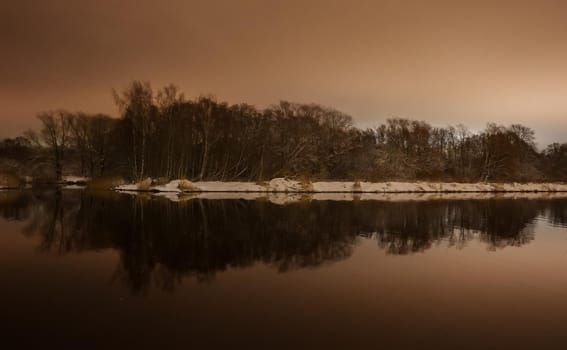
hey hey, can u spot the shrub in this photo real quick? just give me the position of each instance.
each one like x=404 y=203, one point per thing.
x=356 y=187
x=144 y=185
x=306 y=184
x=186 y=185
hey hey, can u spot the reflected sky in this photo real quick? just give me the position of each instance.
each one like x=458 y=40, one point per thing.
x=115 y=270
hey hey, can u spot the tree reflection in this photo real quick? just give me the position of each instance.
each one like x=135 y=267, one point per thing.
x=556 y=214
x=160 y=241
x=409 y=227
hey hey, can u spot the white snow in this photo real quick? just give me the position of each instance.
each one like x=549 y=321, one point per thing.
x=281 y=185
x=74 y=187
x=74 y=179
x=218 y=186
x=172 y=186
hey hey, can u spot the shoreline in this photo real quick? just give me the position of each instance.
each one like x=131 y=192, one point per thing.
x=319 y=188
x=288 y=198
x=285 y=191
x=282 y=185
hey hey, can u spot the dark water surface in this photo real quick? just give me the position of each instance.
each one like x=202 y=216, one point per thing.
x=83 y=270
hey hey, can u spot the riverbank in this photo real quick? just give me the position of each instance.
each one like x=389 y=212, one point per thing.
x=289 y=186
x=287 y=198
x=8 y=181
x=282 y=185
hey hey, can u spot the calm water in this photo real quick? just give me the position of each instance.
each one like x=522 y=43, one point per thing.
x=108 y=270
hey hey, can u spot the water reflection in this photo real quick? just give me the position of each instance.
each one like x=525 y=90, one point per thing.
x=160 y=242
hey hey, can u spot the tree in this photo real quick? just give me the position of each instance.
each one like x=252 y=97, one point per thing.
x=136 y=104
x=555 y=157
x=92 y=138
x=54 y=134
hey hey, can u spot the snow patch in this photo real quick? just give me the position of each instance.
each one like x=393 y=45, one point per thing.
x=74 y=179
x=285 y=185
x=172 y=186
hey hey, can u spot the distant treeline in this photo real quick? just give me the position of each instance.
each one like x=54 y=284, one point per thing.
x=163 y=135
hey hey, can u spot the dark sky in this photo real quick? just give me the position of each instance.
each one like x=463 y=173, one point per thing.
x=443 y=61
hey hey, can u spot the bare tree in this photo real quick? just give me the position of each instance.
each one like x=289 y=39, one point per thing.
x=136 y=104
x=164 y=135
x=55 y=135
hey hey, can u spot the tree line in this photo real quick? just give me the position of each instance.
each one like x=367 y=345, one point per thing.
x=161 y=134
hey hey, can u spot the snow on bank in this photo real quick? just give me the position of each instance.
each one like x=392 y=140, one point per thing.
x=281 y=198
x=281 y=185
x=74 y=180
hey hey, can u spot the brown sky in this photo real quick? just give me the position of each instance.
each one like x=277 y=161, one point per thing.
x=443 y=61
